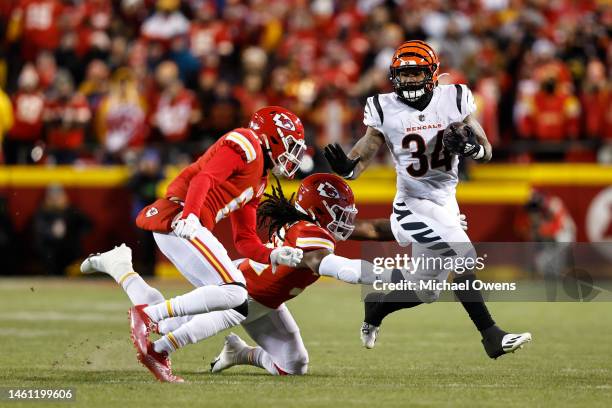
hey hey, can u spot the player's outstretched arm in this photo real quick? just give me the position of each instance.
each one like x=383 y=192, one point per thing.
x=326 y=263
x=481 y=137
x=359 y=158
x=372 y=230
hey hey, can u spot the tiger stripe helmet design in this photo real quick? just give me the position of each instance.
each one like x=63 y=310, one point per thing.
x=413 y=56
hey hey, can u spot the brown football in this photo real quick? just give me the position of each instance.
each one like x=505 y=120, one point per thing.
x=455 y=136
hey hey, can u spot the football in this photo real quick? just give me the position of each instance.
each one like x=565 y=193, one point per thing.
x=457 y=137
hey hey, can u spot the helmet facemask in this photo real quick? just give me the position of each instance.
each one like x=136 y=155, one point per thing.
x=343 y=220
x=288 y=162
x=413 y=91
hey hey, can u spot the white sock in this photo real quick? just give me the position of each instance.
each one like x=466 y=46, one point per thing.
x=165 y=344
x=200 y=327
x=200 y=300
x=167 y=325
x=121 y=271
x=139 y=291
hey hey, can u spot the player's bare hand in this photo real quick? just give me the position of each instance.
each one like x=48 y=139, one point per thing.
x=187 y=227
x=285 y=256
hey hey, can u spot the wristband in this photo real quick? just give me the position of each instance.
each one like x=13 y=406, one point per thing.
x=479 y=154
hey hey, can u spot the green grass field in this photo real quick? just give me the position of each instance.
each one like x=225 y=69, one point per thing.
x=71 y=333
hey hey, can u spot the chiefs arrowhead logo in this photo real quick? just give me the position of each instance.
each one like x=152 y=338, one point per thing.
x=327 y=190
x=151 y=212
x=283 y=121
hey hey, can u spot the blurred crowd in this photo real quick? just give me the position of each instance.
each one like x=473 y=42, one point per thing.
x=102 y=81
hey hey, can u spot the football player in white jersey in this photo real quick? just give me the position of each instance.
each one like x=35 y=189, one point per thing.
x=413 y=122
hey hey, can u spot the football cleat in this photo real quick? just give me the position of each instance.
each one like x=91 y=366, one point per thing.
x=368 y=334
x=230 y=354
x=158 y=364
x=140 y=328
x=107 y=261
x=509 y=343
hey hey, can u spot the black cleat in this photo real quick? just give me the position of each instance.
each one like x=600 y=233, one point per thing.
x=504 y=343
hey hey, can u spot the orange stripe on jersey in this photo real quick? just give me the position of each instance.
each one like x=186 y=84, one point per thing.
x=210 y=257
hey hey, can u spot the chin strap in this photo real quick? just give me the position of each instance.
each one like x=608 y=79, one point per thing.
x=420 y=103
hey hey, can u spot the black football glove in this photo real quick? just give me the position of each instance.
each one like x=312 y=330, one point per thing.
x=339 y=161
x=460 y=140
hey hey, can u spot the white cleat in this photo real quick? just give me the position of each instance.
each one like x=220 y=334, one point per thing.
x=230 y=354
x=108 y=261
x=512 y=342
x=368 y=334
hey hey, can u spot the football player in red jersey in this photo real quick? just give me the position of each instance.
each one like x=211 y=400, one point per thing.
x=323 y=212
x=227 y=180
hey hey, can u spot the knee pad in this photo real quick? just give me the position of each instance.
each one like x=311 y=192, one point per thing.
x=236 y=294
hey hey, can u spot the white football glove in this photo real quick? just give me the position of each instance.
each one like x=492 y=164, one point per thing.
x=462 y=221
x=187 y=227
x=285 y=256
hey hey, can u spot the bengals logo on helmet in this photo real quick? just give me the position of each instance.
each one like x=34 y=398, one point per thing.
x=327 y=190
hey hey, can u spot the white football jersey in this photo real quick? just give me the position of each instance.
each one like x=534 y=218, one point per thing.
x=424 y=169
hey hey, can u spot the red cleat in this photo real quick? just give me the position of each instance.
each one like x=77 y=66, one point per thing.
x=159 y=365
x=140 y=328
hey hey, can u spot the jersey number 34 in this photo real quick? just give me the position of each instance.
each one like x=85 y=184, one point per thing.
x=439 y=157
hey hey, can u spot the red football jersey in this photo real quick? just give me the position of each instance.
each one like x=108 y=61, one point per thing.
x=74 y=112
x=40 y=29
x=240 y=188
x=272 y=289
x=172 y=116
x=28 y=108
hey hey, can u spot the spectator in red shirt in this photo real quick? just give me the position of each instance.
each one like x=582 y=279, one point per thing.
x=65 y=117
x=208 y=34
x=28 y=108
x=38 y=24
x=553 y=114
x=46 y=68
x=597 y=102
x=176 y=108
x=166 y=23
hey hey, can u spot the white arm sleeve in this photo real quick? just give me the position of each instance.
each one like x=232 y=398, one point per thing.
x=352 y=270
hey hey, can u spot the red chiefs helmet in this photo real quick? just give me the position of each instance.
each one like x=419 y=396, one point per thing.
x=282 y=133
x=329 y=200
